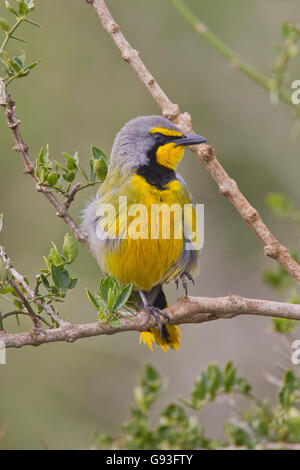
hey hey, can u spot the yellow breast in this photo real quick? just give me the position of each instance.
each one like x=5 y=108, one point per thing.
x=144 y=260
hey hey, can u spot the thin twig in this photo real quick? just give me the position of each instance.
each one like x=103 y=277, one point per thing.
x=30 y=292
x=20 y=312
x=227 y=186
x=72 y=195
x=187 y=310
x=25 y=302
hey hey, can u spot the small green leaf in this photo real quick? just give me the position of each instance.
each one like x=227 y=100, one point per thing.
x=106 y=284
x=97 y=154
x=53 y=178
x=123 y=297
x=73 y=283
x=45 y=281
x=54 y=256
x=10 y=8
x=33 y=64
x=70 y=248
x=61 y=277
x=23 y=9
x=229 y=376
x=283 y=325
x=111 y=299
x=70 y=161
x=55 y=275
x=100 y=168
x=70 y=176
x=287 y=30
x=4 y=24
x=93 y=299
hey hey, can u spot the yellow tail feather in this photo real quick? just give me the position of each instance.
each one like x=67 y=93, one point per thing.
x=170 y=340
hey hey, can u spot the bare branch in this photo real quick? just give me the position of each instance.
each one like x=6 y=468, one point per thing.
x=227 y=186
x=187 y=310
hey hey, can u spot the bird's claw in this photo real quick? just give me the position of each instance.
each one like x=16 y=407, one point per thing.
x=183 y=278
x=156 y=312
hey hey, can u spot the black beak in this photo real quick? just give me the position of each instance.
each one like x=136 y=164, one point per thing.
x=190 y=139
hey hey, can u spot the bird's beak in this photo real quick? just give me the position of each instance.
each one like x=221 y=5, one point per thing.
x=190 y=139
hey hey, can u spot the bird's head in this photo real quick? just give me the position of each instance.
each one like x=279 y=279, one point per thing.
x=151 y=140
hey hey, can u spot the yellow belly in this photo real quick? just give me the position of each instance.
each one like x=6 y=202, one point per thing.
x=145 y=262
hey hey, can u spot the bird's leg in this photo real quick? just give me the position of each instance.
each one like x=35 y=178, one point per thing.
x=183 y=278
x=152 y=310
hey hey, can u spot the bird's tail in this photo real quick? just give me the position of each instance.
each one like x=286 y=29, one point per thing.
x=170 y=333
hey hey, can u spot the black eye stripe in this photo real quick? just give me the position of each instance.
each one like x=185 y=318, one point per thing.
x=165 y=138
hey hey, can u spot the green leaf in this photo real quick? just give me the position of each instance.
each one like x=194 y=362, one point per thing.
x=287 y=30
x=93 y=299
x=23 y=9
x=100 y=169
x=70 y=248
x=283 y=325
x=33 y=64
x=111 y=299
x=229 y=376
x=45 y=281
x=61 y=277
x=123 y=297
x=53 y=178
x=71 y=161
x=97 y=154
x=70 y=176
x=1 y=222
x=115 y=322
x=10 y=8
x=73 y=283
x=105 y=285
x=54 y=256
x=4 y=24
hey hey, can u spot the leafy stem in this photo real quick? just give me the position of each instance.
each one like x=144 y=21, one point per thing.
x=8 y=35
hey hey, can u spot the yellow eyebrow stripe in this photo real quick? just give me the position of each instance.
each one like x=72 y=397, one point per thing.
x=164 y=131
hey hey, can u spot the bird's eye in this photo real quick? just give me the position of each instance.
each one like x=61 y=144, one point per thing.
x=159 y=137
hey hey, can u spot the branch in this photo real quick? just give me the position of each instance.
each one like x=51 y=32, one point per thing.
x=187 y=310
x=227 y=186
x=30 y=292
x=204 y=31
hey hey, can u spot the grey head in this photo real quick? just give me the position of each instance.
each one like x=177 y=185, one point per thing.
x=134 y=141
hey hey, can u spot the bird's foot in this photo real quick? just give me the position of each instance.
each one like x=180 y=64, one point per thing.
x=183 y=278
x=156 y=312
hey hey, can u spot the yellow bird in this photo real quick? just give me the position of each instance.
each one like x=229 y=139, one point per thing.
x=129 y=242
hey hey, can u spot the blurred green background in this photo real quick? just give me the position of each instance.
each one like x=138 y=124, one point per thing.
x=57 y=395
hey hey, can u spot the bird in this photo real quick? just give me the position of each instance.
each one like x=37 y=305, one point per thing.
x=143 y=172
